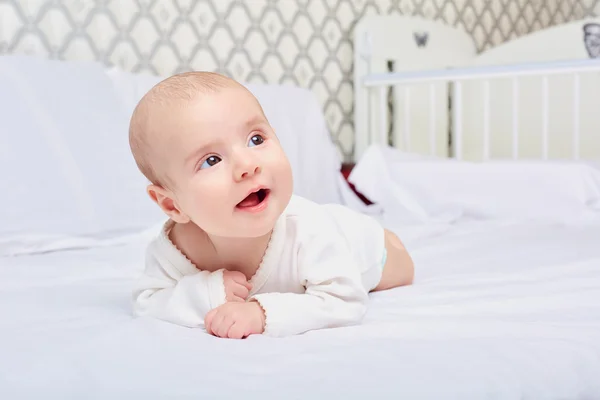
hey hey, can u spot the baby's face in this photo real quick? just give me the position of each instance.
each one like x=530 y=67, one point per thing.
x=229 y=173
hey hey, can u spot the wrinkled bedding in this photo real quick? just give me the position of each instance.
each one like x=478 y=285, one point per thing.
x=499 y=310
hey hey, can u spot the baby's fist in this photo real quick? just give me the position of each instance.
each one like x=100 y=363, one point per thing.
x=235 y=320
x=237 y=287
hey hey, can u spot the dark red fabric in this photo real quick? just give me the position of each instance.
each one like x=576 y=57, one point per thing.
x=346 y=169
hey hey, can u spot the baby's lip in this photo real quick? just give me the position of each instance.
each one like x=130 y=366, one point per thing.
x=254 y=190
x=255 y=201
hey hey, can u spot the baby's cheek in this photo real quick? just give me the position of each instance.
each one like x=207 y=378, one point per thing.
x=280 y=165
x=207 y=196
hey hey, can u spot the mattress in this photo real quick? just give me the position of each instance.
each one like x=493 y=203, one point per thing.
x=497 y=311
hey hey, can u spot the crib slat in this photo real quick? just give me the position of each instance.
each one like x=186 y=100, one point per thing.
x=457 y=119
x=432 y=117
x=576 y=116
x=383 y=115
x=486 y=120
x=515 y=118
x=545 y=117
x=407 y=118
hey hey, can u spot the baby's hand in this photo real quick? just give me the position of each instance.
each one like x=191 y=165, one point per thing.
x=236 y=286
x=235 y=320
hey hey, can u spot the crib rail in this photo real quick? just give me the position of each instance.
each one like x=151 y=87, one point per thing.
x=458 y=77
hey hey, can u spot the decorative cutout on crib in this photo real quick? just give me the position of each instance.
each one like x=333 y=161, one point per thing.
x=421 y=38
x=591 y=38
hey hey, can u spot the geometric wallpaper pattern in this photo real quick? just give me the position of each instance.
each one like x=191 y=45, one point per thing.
x=301 y=42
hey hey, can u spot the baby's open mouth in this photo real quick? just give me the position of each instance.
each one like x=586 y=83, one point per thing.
x=254 y=199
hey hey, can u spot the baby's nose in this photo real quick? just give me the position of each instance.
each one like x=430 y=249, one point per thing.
x=247 y=167
x=251 y=172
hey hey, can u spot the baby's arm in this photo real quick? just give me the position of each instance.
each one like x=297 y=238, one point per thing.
x=165 y=293
x=334 y=295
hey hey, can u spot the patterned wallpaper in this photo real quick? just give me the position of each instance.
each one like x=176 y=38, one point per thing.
x=301 y=42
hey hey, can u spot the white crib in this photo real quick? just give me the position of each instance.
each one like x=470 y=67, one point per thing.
x=516 y=101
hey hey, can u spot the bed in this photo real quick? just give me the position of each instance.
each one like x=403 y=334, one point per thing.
x=505 y=305
x=499 y=311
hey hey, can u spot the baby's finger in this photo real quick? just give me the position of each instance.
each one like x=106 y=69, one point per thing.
x=241 y=279
x=236 y=331
x=223 y=328
x=237 y=276
x=240 y=291
x=208 y=319
x=216 y=323
x=235 y=299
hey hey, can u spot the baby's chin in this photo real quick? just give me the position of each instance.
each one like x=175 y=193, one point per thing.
x=240 y=227
x=257 y=228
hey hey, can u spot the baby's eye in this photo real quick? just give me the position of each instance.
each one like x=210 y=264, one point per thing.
x=255 y=140
x=210 y=161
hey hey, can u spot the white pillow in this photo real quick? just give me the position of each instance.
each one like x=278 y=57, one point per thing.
x=67 y=169
x=130 y=88
x=443 y=190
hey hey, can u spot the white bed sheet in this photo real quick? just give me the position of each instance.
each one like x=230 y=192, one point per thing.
x=498 y=311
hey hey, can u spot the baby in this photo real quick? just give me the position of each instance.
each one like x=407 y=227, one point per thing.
x=240 y=254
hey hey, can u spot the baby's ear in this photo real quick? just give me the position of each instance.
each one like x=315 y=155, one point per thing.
x=165 y=200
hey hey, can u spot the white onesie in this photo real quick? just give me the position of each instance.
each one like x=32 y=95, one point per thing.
x=319 y=266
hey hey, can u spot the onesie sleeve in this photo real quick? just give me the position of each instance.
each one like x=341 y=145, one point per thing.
x=334 y=295
x=165 y=293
